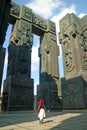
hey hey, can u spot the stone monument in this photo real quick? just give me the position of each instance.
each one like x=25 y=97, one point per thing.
x=4 y=16
x=18 y=86
x=73 y=38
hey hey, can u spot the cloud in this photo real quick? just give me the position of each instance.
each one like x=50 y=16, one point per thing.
x=35 y=58
x=6 y=59
x=81 y=15
x=63 y=12
x=55 y=18
x=44 y=8
x=35 y=88
x=59 y=16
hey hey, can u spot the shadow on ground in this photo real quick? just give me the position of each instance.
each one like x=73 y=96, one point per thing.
x=77 y=122
x=7 y=119
x=58 y=120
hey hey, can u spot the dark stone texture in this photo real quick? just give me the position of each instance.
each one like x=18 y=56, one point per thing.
x=73 y=93
x=4 y=18
x=18 y=94
x=73 y=38
x=25 y=22
x=48 y=90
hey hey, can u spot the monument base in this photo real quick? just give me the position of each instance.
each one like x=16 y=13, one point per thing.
x=18 y=94
x=49 y=92
x=74 y=93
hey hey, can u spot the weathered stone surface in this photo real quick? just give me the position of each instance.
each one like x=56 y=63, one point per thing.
x=39 y=25
x=51 y=26
x=18 y=86
x=49 y=88
x=73 y=38
x=26 y=13
x=25 y=22
x=19 y=57
x=14 y=12
x=18 y=94
x=73 y=96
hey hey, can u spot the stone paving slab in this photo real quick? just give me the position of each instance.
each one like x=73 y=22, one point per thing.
x=53 y=121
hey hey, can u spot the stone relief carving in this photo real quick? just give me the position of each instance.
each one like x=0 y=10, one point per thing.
x=54 y=101
x=51 y=38
x=26 y=33
x=23 y=59
x=15 y=36
x=23 y=40
x=39 y=21
x=26 y=13
x=72 y=95
x=20 y=97
x=67 y=54
x=11 y=69
x=63 y=25
x=51 y=26
x=22 y=35
x=83 y=43
x=27 y=38
x=15 y=9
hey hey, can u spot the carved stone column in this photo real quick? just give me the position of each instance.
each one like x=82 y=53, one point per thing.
x=49 y=79
x=4 y=17
x=18 y=86
x=73 y=35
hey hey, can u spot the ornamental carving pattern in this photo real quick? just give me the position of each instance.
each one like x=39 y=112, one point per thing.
x=16 y=34
x=83 y=43
x=15 y=9
x=51 y=26
x=23 y=59
x=26 y=13
x=67 y=52
x=27 y=38
x=26 y=33
x=21 y=34
x=39 y=21
x=72 y=95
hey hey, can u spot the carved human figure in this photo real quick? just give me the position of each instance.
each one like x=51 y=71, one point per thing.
x=67 y=53
x=26 y=37
x=83 y=43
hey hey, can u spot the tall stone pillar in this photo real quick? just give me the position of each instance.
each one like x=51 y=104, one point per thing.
x=73 y=35
x=49 y=87
x=18 y=86
x=4 y=17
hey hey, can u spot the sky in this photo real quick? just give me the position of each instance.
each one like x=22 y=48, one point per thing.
x=47 y=9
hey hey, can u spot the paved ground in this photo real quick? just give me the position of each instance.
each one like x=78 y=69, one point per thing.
x=53 y=121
